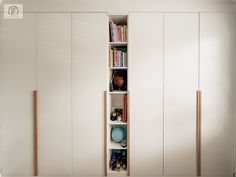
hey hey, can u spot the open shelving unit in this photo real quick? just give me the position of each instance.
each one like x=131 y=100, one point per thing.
x=117 y=100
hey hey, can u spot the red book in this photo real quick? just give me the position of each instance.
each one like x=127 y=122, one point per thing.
x=118 y=34
x=125 y=109
x=116 y=58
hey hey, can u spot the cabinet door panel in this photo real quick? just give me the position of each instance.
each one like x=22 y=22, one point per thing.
x=18 y=69
x=146 y=86
x=218 y=68
x=90 y=57
x=54 y=86
x=181 y=83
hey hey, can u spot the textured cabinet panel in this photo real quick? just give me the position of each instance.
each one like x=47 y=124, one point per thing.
x=54 y=86
x=146 y=86
x=18 y=69
x=181 y=83
x=218 y=87
x=90 y=57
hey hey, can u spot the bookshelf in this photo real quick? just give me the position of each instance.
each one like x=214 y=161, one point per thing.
x=117 y=99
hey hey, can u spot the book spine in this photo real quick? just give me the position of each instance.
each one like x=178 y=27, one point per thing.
x=119 y=59
x=125 y=33
x=125 y=109
x=122 y=33
x=115 y=33
x=122 y=59
x=126 y=60
x=118 y=33
x=111 y=31
x=111 y=58
x=116 y=57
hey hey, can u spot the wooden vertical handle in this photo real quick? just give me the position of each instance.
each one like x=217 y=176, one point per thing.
x=128 y=131
x=198 y=132
x=35 y=102
x=105 y=132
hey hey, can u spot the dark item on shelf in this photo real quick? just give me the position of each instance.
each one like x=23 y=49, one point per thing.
x=113 y=116
x=117 y=114
x=119 y=118
x=123 y=143
x=119 y=81
x=118 y=160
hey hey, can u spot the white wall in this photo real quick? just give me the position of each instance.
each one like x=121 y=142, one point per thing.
x=124 y=6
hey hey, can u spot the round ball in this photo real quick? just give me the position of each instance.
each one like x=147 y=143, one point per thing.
x=119 y=81
x=117 y=134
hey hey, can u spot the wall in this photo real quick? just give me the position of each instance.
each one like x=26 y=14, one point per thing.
x=124 y=6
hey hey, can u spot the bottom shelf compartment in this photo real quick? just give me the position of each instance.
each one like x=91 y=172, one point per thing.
x=117 y=162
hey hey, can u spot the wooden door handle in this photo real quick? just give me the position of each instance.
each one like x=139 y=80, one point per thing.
x=105 y=133
x=128 y=131
x=198 y=131
x=35 y=107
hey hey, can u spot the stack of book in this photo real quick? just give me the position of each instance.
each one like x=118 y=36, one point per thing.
x=118 y=32
x=118 y=58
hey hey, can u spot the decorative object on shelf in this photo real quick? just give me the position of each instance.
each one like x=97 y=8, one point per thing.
x=117 y=114
x=119 y=81
x=119 y=118
x=113 y=116
x=118 y=160
x=117 y=134
x=123 y=143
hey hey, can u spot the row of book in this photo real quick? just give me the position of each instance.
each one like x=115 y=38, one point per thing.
x=118 y=32
x=118 y=58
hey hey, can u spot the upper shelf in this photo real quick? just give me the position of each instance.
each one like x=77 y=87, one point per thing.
x=115 y=44
x=118 y=92
x=119 y=19
x=118 y=68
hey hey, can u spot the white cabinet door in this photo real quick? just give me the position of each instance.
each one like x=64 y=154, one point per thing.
x=181 y=84
x=54 y=86
x=218 y=87
x=90 y=61
x=145 y=76
x=18 y=69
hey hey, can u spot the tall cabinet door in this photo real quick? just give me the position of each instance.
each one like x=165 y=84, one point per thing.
x=18 y=69
x=89 y=58
x=54 y=86
x=218 y=87
x=181 y=84
x=145 y=75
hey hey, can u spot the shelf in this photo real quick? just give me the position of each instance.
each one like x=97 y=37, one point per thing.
x=117 y=172
x=114 y=44
x=117 y=123
x=117 y=99
x=114 y=145
x=118 y=92
x=118 y=68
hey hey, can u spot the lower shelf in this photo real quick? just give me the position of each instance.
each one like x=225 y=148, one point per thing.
x=120 y=173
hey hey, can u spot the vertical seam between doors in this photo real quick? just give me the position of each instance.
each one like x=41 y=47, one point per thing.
x=72 y=129
x=163 y=96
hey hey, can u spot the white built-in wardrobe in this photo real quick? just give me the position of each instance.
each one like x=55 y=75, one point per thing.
x=170 y=56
